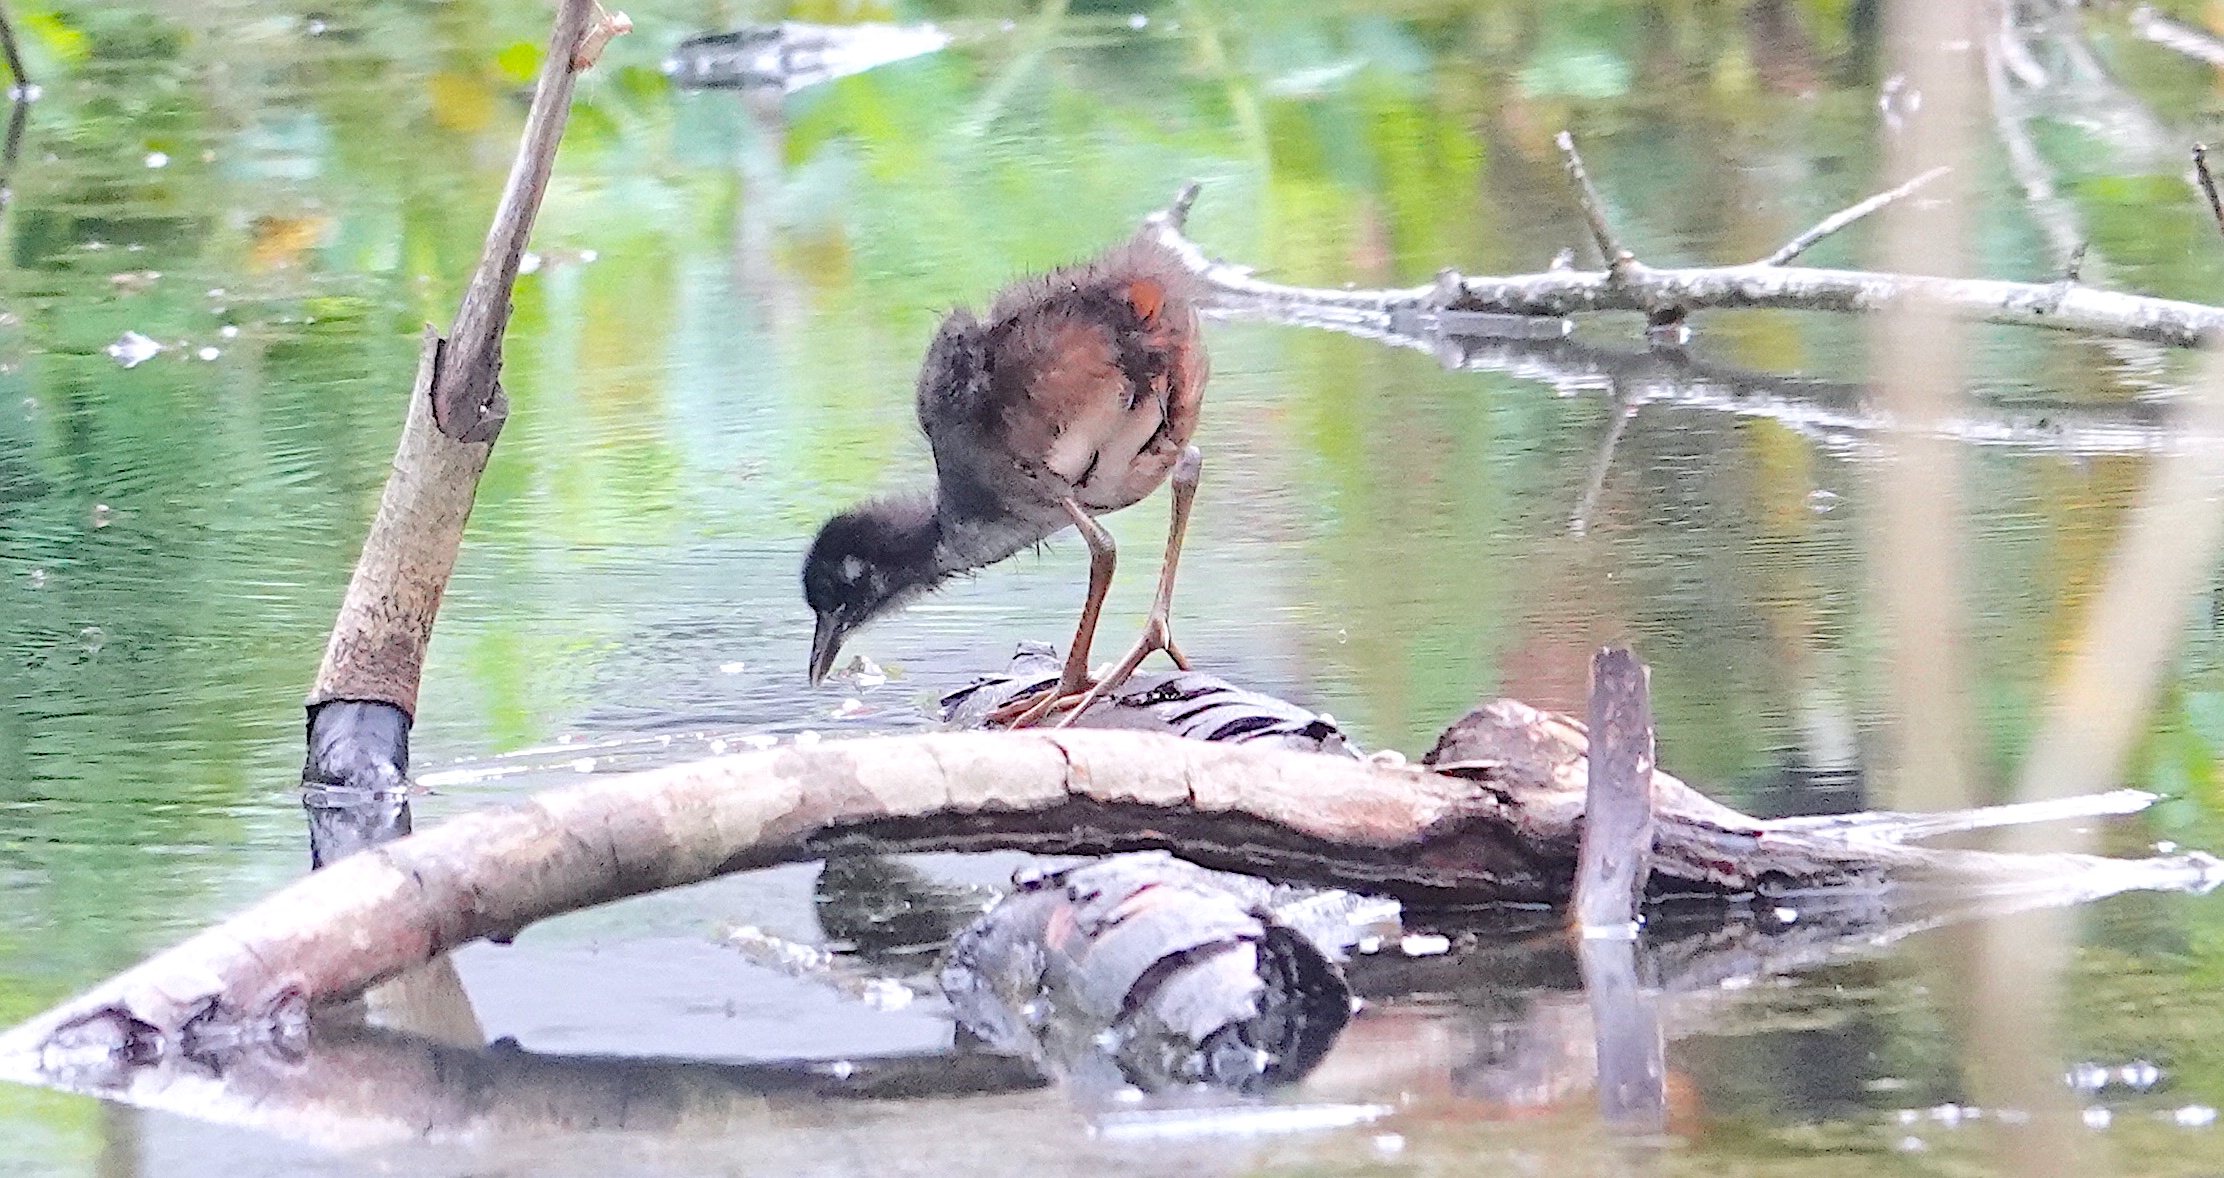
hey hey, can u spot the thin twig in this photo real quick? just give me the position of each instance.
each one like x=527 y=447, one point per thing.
x=14 y=58
x=2208 y=183
x=1844 y=217
x=1594 y=208
x=466 y=400
x=2169 y=34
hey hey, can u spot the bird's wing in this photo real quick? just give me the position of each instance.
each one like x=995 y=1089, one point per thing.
x=953 y=379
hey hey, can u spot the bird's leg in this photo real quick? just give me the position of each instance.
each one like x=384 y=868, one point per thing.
x=1075 y=678
x=1158 y=633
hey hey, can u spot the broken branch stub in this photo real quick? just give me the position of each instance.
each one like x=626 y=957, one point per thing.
x=1594 y=207
x=1616 y=853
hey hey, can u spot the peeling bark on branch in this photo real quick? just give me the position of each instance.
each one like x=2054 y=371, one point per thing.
x=377 y=648
x=1495 y=819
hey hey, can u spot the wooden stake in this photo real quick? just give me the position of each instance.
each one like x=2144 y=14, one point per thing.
x=374 y=661
x=1616 y=853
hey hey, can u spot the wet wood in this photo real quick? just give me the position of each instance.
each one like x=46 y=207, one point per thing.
x=1495 y=817
x=1540 y=1042
x=1616 y=855
x=1625 y=1022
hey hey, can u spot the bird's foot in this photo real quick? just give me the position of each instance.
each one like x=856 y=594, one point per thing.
x=1157 y=635
x=1039 y=707
x=1032 y=709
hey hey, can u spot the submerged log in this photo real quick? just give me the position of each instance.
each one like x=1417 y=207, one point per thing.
x=1494 y=817
x=1538 y=1039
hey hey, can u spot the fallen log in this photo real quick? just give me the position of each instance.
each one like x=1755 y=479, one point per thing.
x=1537 y=1042
x=1494 y=817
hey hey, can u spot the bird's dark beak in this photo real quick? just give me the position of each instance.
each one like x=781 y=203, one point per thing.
x=826 y=645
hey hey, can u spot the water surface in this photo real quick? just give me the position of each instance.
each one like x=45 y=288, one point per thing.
x=716 y=349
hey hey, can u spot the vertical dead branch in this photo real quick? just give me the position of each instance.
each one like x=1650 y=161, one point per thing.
x=365 y=695
x=2208 y=183
x=1594 y=207
x=1616 y=853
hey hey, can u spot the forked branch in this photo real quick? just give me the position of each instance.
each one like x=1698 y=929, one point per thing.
x=1844 y=217
x=1456 y=304
x=1594 y=207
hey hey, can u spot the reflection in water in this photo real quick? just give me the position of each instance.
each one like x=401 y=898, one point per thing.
x=1547 y=1021
x=1143 y=972
x=1389 y=538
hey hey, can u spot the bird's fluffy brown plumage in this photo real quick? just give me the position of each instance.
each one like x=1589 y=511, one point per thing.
x=1084 y=383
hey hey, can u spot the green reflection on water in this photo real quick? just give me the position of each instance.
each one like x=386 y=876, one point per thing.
x=1378 y=537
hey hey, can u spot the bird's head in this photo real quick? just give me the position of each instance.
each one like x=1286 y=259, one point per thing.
x=865 y=562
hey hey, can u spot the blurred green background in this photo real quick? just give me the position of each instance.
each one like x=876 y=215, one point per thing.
x=717 y=345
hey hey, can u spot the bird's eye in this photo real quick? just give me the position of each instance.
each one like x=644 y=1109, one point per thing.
x=852 y=568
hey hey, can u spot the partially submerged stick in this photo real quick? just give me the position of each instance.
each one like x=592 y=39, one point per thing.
x=1617 y=849
x=365 y=693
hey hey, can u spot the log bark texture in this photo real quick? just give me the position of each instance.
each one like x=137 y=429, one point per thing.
x=1499 y=823
x=377 y=648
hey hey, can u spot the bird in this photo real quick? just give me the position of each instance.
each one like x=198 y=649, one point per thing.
x=1076 y=394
